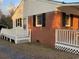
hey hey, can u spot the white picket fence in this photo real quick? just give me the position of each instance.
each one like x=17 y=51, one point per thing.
x=67 y=40
x=19 y=35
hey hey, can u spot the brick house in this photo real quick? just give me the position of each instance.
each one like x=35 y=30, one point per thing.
x=52 y=23
x=43 y=25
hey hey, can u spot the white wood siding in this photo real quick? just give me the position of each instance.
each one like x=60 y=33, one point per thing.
x=33 y=7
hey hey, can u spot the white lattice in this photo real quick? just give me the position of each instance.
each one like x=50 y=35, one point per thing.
x=67 y=48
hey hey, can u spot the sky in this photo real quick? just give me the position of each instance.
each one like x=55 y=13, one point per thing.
x=68 y=0
x=5 y=5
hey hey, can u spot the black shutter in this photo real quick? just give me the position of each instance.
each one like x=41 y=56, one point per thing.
x=34 y=20
x=63 y=19
x=44 y=20
x=71 y=15
x=20 y=22
x=16 y=22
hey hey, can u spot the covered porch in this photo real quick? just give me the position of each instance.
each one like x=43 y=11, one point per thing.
x=67 y=40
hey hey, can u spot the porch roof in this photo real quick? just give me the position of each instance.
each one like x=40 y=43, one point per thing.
x=69 y=8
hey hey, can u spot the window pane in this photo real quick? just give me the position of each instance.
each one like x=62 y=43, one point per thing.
x=68 y=20
x=20 y=22
x=39 y=19
x=16 y=22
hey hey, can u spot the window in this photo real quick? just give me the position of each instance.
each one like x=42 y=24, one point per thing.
x=16 y=22
x=67 y=20
x=19 y=22
x=39 y=20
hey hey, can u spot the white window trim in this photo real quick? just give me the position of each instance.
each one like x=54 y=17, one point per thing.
x=38 y=25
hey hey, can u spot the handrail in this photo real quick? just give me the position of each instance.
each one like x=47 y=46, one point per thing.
x=16 y=32
x=69 y=37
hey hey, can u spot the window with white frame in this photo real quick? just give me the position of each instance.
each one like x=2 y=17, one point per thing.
x=39 y=20
x=19 y=22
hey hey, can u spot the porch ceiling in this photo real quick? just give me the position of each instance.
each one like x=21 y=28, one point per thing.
x=70 y=9
x=77 y=7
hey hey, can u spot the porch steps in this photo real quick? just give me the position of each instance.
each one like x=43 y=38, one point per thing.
x=67 y=48
x=16 y=39
x=17 y=35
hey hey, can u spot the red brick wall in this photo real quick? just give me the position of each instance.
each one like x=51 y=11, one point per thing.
x=75 y=23
x=46 y=35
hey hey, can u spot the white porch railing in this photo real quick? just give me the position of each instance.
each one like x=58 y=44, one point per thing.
x=19 y=35
x=67 y=39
